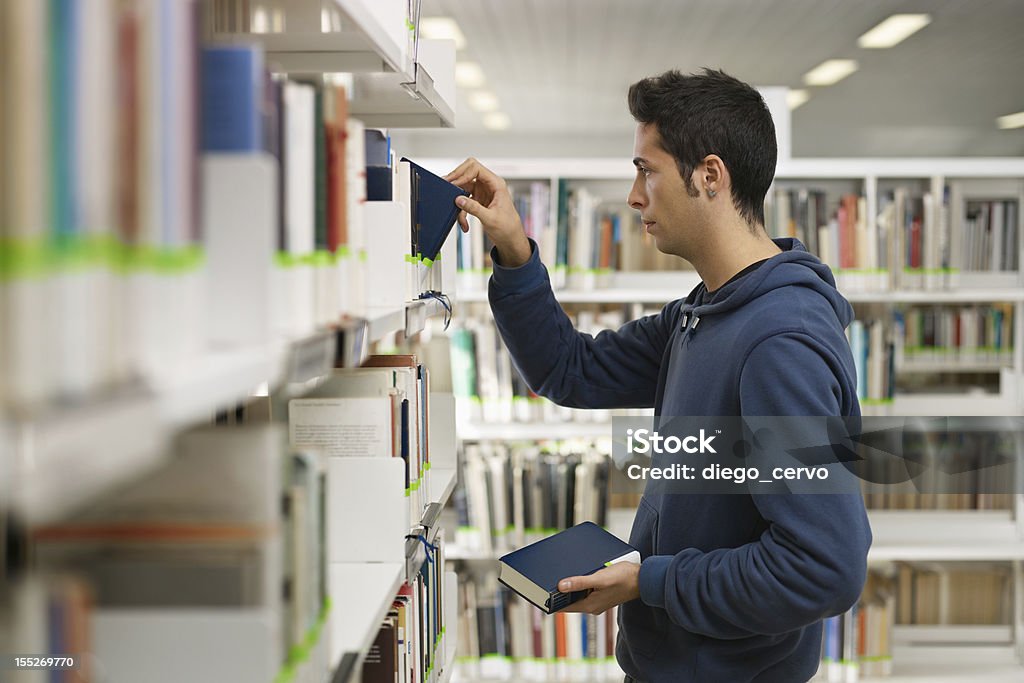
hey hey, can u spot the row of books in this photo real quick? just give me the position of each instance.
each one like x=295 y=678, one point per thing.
x=175 y=198
x=954 y=594
x=837 y=233
x=224 y=542
x=489 y=388
x=510 y=497
x=873 y=346
x=99 y=179
x=581 y=243
x=965 y=470
x=504 y=637
x=914 y=242
x=858 y=643
x=955 y=334
x=409 y=646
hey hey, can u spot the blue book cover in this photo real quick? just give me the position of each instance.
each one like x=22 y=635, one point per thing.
x=535 y=570
x=232 y=98
x=435 y=212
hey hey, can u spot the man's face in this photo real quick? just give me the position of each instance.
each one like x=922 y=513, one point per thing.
x=669 y=213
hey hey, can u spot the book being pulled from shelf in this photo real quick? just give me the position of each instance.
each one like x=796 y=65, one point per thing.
x=534 y=570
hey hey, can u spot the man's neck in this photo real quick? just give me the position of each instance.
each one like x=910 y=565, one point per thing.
x=723 y=258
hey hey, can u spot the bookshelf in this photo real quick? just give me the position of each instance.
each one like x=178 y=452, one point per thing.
x=928 y=538
x=210 y=319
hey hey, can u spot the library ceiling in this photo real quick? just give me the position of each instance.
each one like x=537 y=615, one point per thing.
x=562 y=67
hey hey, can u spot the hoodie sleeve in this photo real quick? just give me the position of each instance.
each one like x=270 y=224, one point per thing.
x=811 y=560
x=612 y=370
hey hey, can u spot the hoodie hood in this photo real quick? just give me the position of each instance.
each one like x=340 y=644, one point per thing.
x=794 y=266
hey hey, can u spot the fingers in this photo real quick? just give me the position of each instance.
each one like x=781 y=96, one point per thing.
x=474 y=208
x=461 y=169
x=595 y=603
x=578 y=583
x=471 y=172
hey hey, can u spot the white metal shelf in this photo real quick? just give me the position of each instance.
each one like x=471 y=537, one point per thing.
x=534 y=431
x=63 y=457
x=395 y=100
x=909 y=535
x=442 y=483
x=968 y=404
x=968 y=633
x=361 y=594
x=938 y=296
x=194 y=390
x=954 y=364
x=361 y=43
x=603 y=168
x=937 y=535
x=668 y=293
x=449 y=663
x=952 y=664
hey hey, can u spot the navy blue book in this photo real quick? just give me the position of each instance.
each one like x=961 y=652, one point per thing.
x=232 y=98
x=535 y=570
x=434 y=210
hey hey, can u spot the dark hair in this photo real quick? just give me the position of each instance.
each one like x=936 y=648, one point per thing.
x=712 y=113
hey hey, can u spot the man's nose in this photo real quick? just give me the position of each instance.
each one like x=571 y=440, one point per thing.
x=636 y=198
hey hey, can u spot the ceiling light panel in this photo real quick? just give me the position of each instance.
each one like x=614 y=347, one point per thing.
x=830 y=72
x=469 y=75
x=894 y=30
x=442 y=28
x=1011 y=121
x=483 y=101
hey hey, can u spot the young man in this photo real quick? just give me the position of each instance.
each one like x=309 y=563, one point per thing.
x=731 y=587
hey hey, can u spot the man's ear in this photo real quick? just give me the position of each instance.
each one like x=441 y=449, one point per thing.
x=714 y=175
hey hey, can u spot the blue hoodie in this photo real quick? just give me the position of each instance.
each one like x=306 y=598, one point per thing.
x=732 y=587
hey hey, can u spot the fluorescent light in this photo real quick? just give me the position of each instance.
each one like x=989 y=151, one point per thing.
x=794 y=98
x=483 y=101
x=496 y=120
x=260 y=21
x=829 y=72
x=469 y=75
x=893 y=30
x=1011 y=121
x=440 y=28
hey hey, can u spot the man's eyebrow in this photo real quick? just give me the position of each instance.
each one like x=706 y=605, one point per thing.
x=639 y=160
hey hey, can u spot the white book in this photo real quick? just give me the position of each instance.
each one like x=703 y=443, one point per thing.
x=300 y=153
x=998 y=255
